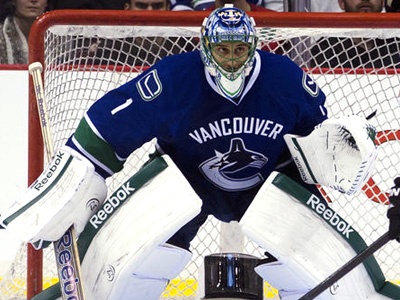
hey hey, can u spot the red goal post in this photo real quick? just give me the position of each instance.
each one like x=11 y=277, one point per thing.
x=270 y=24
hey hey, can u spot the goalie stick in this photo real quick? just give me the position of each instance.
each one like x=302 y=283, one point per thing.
x=67 y=243
x=346 y=268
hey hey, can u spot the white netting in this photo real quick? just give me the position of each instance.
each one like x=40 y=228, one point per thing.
x=84 y=62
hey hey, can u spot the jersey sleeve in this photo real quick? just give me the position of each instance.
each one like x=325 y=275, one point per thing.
x=309 y=100
x=313 y=110
x=300 y=94
x=123 y=120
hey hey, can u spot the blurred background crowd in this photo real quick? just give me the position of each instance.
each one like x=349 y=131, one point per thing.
x=17 y=16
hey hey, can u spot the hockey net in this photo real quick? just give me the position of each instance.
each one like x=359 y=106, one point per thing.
x=87 y=53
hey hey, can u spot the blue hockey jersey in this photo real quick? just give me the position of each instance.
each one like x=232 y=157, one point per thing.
x=225 y=149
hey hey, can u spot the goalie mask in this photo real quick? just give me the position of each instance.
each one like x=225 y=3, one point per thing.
x=340 y=153
x=228 y=44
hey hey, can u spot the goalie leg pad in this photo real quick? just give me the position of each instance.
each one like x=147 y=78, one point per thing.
x=310 y=240
x=67 y=193
x=280 y=277
x=150 y=277
x=147 y=219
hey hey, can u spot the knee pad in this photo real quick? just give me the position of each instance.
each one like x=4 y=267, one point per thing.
x=290 y=285
x=149 y=278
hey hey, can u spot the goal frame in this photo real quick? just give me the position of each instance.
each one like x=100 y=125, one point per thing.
x=155 y=18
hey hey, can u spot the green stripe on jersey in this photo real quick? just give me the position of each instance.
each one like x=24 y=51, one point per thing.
x=97 y=147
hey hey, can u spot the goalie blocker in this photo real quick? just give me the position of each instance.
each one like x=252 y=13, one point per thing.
x=68 y=192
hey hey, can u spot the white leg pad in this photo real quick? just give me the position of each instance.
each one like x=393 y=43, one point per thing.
x=140 y=289
x=289 y=283
x=310 y=241
x=149 y=279
x=127 y=243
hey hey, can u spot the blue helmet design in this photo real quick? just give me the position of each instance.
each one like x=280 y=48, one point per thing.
x=228 y=25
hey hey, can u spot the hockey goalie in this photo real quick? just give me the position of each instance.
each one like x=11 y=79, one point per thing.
x=243 y=135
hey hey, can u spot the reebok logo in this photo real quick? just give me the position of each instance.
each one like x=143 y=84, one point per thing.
x=111 y=204
x=68 y=274
x=41 y=108
x=300 y=168
x=44 y=179
x=330 y=216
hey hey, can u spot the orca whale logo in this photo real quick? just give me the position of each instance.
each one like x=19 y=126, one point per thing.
x=221 y=168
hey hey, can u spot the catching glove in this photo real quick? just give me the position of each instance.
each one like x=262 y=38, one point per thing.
x=394 y=211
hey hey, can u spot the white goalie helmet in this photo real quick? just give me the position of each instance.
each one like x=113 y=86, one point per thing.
x=228 y=45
